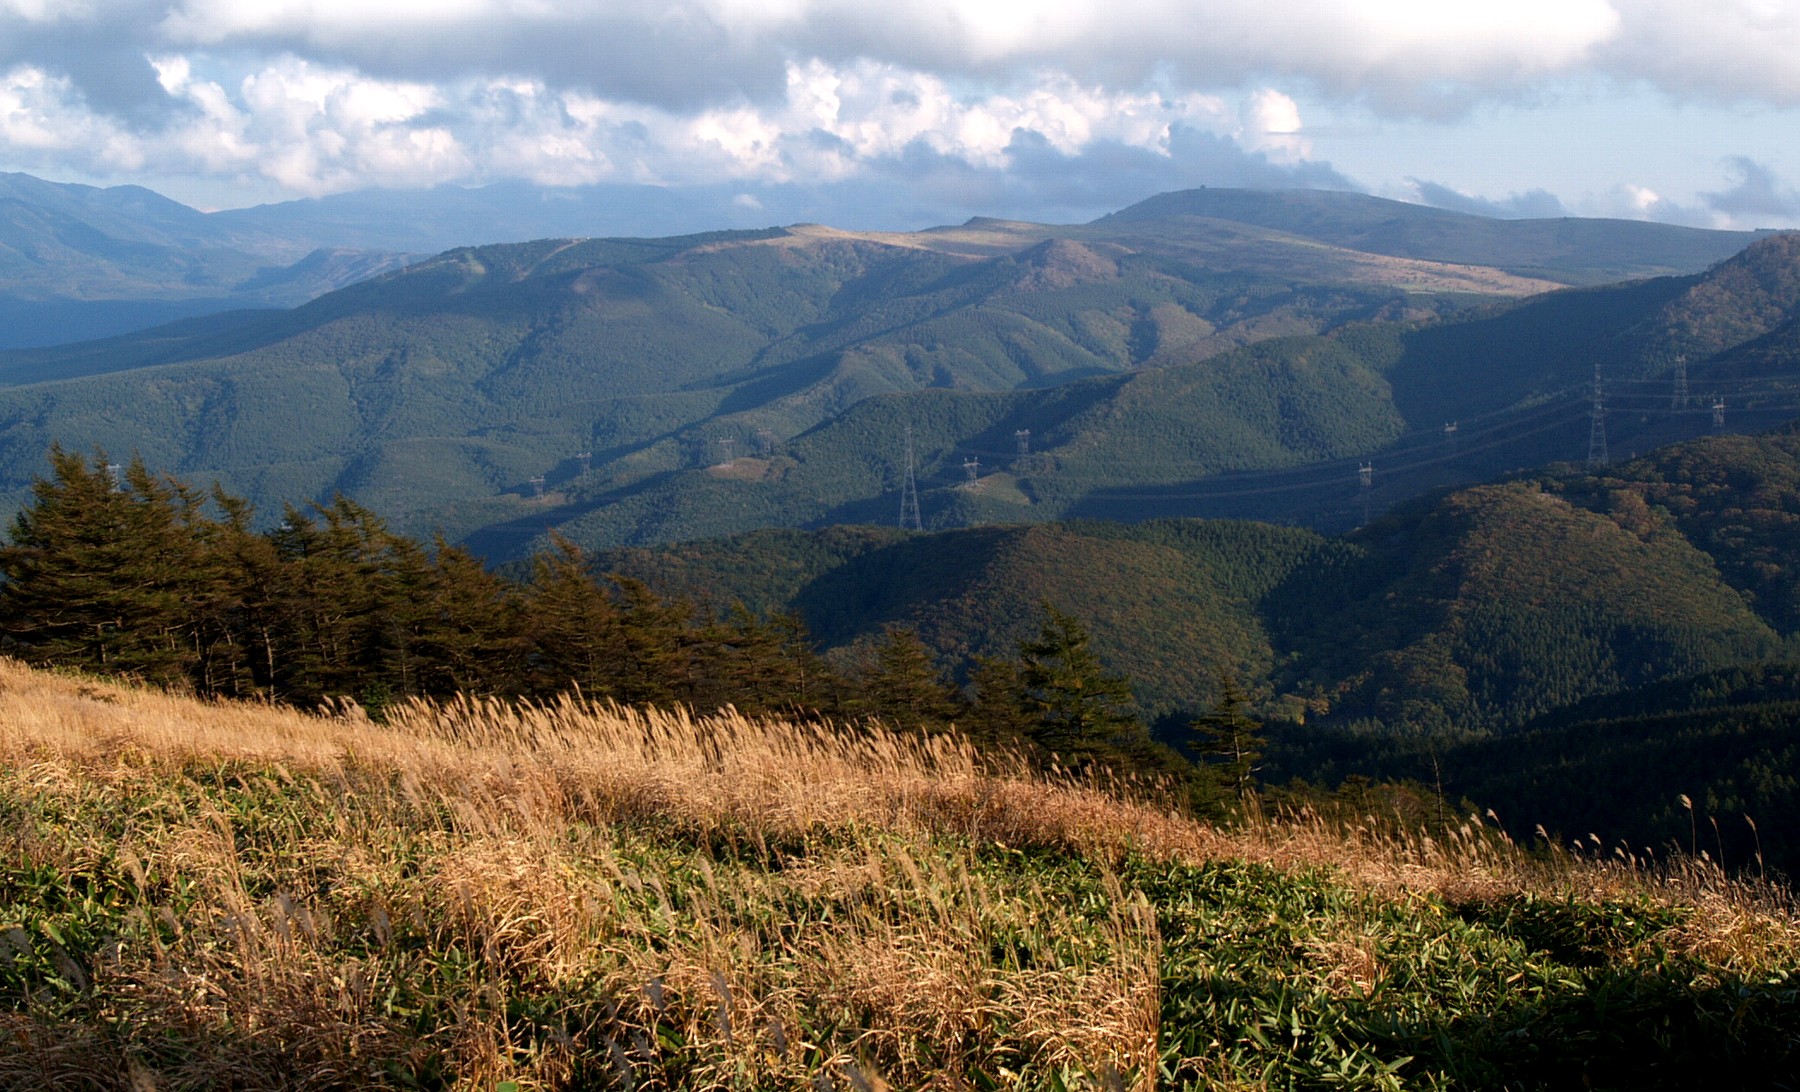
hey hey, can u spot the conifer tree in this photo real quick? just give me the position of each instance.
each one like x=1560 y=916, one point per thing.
x=997 y=715
x=350 y=588
x=1231 y=740
x=574 y=634
x=236 y=618
x=660 y=648
x=902 y=684
x=760 y=665
x=1078 y=709
x=470 y=635
x=100 y=572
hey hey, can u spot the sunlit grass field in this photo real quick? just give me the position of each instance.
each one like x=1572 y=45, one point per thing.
x=483 y=896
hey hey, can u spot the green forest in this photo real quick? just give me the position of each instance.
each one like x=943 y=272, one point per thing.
x=117 y=571
x=1509 y=647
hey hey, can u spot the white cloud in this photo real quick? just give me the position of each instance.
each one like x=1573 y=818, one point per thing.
x=1717 y=49
x=314 y=128
x=43 y=121
x=1272 y=126
x=1641 y=199
x=317 y=95
x=1404 y=55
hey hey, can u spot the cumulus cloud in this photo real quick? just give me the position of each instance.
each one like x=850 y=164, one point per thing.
x=1272 y=126
x=1400 y=55
x=314 y=128
x=313 y=96
x=1720 y=49
x=43 y=123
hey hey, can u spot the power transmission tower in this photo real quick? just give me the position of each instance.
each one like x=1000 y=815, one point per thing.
x=1678 y=401
x=117 y=473
x=1718 y=413
x=909 y=492
x=1366 y=475
x=1597 y=427
x=586 y=458
x=726 y=442
x=537 y=486
x=972 y=467
x=765 y=442
x=1450 y=435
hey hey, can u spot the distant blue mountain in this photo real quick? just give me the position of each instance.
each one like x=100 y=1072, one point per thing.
x=82 y=262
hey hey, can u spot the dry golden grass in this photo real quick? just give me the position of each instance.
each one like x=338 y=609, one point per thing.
x=809 y=904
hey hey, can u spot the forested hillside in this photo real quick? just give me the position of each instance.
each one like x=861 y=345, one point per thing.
x=1552 y=609
x=438 y=394
x=1709 y=762
x=1477 y=609
x=643 y=391
x=1499 y=641
x=1276 y=430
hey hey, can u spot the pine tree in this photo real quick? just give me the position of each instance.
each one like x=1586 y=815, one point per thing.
x=470 y=636
x=237 y=617
x=1078 y=709
x=1231 y=740
x=101 y=574
x=761 y=666
x=350 y=599
x=575 y=634
x=902 y=684
x=660 y=655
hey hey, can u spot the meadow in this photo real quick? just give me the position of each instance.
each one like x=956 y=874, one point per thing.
x=510 y=896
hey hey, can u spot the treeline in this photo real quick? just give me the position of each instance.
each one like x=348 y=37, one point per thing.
x=121 y=571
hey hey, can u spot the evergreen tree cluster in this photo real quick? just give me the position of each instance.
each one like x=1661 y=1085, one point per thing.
x=121 y=571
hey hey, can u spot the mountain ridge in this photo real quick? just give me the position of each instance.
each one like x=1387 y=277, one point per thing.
x=630 y=390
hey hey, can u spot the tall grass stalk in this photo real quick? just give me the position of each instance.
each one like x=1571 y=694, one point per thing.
x=575 y=895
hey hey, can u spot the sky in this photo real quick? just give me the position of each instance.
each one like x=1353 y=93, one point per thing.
x=909 y=112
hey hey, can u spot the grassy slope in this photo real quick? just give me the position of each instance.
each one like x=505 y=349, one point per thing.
x=1574 y=251
x=201 y=896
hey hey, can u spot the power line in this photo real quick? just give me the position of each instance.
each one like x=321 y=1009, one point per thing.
x=972 y=467
x=1596 y=456
x=909 y=491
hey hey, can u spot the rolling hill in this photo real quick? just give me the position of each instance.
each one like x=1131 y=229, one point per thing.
x=1472 y=611
x=1275 y=430
x=1568 y=250
x=637 y=391
x=437 y=393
